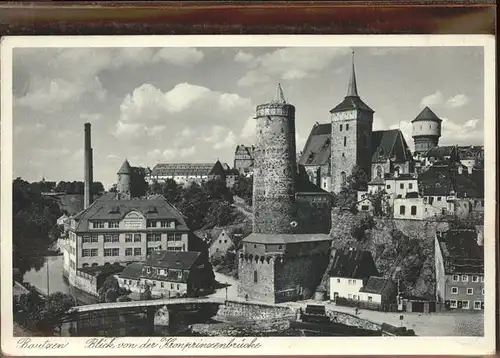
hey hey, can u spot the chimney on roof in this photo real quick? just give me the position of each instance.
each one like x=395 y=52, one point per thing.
x=469 y=169
x=87 y=167
x=460 y=169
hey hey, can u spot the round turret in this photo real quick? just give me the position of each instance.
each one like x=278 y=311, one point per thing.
x=124 y=178
x=426 y=130
x=274 y=168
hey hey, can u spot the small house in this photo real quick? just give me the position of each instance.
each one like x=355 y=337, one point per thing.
x=220 y=245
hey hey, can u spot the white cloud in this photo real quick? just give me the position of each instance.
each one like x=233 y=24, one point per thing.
x=433 y=99
x=183 y=56
x=228 y=142
x=457 y=101
x=186 y=152
x=216 y=134
x=243 y=57
x=290 y=64
x=50 y=96
x=471 y=132
x=249 y=129
x=471 y=123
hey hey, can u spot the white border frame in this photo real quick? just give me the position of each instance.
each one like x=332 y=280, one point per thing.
x=268 y=346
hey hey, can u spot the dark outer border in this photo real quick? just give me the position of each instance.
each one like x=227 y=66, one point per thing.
x=252 y=17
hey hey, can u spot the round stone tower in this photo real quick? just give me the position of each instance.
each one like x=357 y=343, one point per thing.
x=275 y=168
x=426 y=130
x=124 y=179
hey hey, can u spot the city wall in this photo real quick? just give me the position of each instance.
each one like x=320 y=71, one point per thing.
x=232 y=311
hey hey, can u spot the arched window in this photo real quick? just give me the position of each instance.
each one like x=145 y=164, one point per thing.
x=379 y=171
x=345 y=141
x=402 y=210
x=343 y=178
x=255 y=277
x=397 y=170
x=414 y=210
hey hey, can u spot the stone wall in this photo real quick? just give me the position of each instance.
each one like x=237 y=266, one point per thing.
x=252 y=312
x=263 y=289
x=275 y=169
x=299 y=276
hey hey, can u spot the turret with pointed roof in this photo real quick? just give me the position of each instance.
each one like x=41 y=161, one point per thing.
x=123 y=186
x=351 y=135
x=426 y=130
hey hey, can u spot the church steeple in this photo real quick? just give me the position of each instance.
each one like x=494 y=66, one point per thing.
x=352 y=89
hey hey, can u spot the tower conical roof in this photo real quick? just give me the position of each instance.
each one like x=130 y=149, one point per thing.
x=125 y=168
x=427 y=115
x=279 y=97
x=352 y=88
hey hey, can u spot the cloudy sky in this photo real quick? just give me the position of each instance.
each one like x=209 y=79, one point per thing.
x=154 y=105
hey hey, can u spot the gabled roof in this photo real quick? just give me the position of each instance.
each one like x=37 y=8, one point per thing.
x=427 y=115
x=125 y=168
x=133 y=270
x=376 y=285
x=353 y=264
x=441 y=180
x=111 y=207
x=218 y=169
x=318 y=146
x=182 y=169
x=471 y=152
x=441 y=152
x=389 y=144
x=182 y=260
x=461 y=252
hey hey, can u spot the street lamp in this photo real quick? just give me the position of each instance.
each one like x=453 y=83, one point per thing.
x=226 y=291
x=48 y=292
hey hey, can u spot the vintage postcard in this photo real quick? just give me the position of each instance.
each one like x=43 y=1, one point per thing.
x=248 y=195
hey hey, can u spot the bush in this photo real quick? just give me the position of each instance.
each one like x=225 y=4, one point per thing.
x=123 y=298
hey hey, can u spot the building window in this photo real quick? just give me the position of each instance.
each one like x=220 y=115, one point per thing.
x=128 y=251
x=98 y=225
x=388 y=186
x=112 y=252
x=128 y=237
x=94 y=238
x=338 y=280
x=410 y=186
x=379 y=171
x=370 y=298
x=178 y=237
x=93 y=252
x=153 y=237
x=465 y=278
x=137 y=237
x=114 y=224
x=343 y=178
x=255 y=277
x=85 y=239
x=470 y=291
x=414 y=210
x=475 y=279
x=85 y=252
x=402 y=210
x=163 y=224
x=455 y=278
x=401 y=185
x=341 y=127
x=345 y=141
x=347 y=127
x=170 y=237
x=482 y=278
x=438 y=198
x=453 y=304
x=365 y=207
x=137 y=251
x=465 y=305
x=477 y=305
x=151 y=223
x=482 y=291
x=454 y=290
x=162 y=284
x=149 y=250
x=349 y=296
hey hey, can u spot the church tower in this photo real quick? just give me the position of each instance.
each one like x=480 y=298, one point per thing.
x=352 y=122
x=275 y=167
x=123 y=186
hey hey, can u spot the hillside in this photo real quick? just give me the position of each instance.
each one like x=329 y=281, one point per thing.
x=401 y=250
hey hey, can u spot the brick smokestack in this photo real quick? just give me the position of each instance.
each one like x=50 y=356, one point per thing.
x=88 y=167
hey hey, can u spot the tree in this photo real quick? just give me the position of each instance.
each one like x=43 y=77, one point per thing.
x=381 y=206
x=34 y=219
x=194 y=204
x=123 y=298
x=138 y=184
x=244 y=189
x=146 y=295
x=348 y=195
x=218 y=190
x=171 y=191
x=111 y=283
x=97 y=188
x=56 y=304
x=111 y=295
x=220 y=213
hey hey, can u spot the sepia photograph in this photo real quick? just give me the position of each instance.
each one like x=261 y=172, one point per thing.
x=257 y=187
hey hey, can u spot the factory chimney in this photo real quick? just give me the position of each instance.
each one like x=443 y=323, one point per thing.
x=88 y=168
